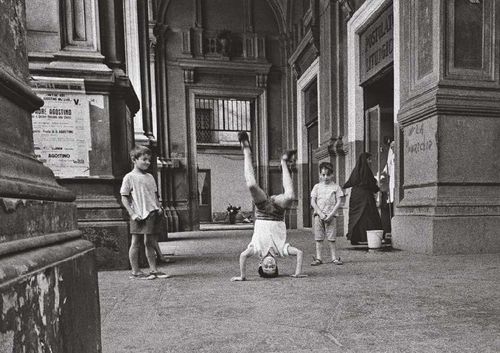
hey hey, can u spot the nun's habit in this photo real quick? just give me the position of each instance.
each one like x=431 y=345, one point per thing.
x=363 y=213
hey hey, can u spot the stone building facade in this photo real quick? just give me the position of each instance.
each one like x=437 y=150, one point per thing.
x=330 y=78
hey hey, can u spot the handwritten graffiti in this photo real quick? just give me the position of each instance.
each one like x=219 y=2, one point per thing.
x=418 y=146
x=416 y=140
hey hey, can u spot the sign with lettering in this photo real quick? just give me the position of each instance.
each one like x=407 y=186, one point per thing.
x=376 y=45
x=61 y=128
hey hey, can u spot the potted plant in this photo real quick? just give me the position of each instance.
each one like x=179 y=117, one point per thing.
x=232 y=211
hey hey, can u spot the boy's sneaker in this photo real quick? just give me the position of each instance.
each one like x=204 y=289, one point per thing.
x=158 y=274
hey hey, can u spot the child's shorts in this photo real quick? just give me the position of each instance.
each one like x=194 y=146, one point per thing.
x=153 y=224
x=324 y=229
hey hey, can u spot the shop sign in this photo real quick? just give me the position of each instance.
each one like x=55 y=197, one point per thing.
x=377 y=45
x=61 y=128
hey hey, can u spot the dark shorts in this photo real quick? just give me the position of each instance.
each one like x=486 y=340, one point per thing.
x=153 y=224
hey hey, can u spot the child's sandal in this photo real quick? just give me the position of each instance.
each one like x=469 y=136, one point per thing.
x=316 y=262
x=337 y=261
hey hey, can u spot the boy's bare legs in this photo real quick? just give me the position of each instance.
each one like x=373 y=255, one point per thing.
x=243 y=264
x=258 y=195
x=333 y=249
x=319 y=249
x=285 y=199
x=133 y=254
x=150 y=251
x=300 y=255
x=333 y=252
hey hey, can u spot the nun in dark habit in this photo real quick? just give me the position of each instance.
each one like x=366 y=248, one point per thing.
x=363 y=213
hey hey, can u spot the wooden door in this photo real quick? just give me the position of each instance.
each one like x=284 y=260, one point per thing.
x=312 y=169
x=379 y=126
x=204 y=195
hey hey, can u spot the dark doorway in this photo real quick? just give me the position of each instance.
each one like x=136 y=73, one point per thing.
x=312 y=172
x=311 y=122
x=204 y=195
x=379 y=132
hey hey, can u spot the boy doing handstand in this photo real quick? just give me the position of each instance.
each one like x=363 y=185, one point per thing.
x=269 y=236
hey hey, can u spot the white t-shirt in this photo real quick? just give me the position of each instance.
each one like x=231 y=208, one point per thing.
x=142 y=188
x=390 y=172
x=326 y=196
x=269 y=235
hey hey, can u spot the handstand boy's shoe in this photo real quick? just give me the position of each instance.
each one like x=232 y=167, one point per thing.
x=242 y=136
x=290 y=156
x=244 y=139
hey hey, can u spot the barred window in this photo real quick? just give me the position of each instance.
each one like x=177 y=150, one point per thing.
x=218 y=120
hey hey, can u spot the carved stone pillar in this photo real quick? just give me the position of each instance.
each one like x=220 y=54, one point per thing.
x=449 y=177
x=167 y=166
x=48 y=279
x=142 y=17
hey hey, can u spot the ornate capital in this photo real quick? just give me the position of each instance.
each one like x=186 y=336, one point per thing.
x=188 y=75
x=261 y=80
x=347 y=7
x=336 y=146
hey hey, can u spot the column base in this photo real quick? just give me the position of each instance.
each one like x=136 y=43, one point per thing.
x=446 y=235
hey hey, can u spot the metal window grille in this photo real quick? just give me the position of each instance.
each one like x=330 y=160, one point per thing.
x=218 y=120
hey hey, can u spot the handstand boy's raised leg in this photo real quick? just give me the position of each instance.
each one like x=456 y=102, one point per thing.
x=258 y=195
x=285 y=199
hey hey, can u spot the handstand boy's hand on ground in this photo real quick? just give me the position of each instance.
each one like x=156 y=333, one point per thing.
x=136 y=217
x=299 y=275
x=238 y=279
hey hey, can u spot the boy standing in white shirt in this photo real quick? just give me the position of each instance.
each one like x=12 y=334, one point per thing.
x=326 y=200
x=139 y=196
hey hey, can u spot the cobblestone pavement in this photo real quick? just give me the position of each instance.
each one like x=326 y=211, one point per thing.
x=390 y=301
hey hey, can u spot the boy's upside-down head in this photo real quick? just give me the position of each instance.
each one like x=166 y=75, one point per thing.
x=268 y=268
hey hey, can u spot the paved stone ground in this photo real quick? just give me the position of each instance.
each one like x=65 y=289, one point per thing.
x=376 y=302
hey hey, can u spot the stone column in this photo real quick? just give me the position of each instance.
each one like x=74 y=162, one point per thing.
x=448 y=170
x=48 y=279
x=142 y=17
x=133 y=61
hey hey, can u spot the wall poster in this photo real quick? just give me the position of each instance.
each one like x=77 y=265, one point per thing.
x=61 y=128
